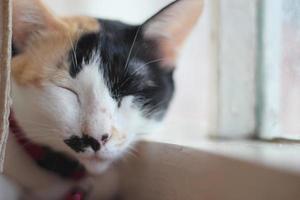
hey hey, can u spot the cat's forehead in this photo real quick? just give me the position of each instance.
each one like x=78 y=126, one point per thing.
x=76 y=41
x=115 y=45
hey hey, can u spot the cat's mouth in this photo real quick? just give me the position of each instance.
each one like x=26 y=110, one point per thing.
x=95 y=164
x=98 y=162
x=93 y=158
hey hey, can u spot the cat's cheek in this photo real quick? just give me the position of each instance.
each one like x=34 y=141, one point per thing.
x=49 y=111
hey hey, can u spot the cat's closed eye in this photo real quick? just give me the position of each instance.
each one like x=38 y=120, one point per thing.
x=70 y=91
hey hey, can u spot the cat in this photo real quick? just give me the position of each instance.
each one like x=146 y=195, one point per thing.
x=88 y=87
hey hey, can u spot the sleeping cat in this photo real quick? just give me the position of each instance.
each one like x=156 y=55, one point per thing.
x=89 y=87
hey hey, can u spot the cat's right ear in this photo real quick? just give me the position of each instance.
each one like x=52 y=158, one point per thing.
x=29 y=18
x=170 y=27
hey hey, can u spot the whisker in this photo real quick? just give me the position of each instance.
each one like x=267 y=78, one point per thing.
x=141 y=68
x=73 y=50
x=132 y=46
x=154 y=61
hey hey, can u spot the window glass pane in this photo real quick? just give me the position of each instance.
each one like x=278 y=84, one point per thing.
x=290 y=68
x=279 y=72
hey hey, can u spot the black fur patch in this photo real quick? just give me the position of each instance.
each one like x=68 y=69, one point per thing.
x=60 y=164
x=79 y=144
x=129 y=63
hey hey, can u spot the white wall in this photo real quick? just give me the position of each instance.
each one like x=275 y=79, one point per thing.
x=191 y=112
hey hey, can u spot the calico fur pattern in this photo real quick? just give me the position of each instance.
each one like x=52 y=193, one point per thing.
x=88 y=87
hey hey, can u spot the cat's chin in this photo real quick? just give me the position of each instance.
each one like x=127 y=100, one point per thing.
x=95 y=165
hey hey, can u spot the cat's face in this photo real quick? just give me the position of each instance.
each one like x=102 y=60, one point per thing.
x=89 y=87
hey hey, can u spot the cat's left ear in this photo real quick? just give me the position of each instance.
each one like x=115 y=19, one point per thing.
x=29 y=18
x=171 y=26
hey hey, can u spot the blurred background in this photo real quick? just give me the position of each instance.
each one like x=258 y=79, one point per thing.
x=238 y=75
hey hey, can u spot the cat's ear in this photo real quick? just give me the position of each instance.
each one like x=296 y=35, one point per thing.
x=30 y=17
x=171 y=26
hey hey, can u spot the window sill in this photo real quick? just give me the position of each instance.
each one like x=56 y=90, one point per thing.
x=280 y=155
x=170 y=172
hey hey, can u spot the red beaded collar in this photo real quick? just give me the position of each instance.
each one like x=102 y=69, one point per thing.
x=50 y=160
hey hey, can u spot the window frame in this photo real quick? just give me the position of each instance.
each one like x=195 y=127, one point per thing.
x=236 y=41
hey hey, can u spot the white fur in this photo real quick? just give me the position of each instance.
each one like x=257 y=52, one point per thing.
x=51 y=114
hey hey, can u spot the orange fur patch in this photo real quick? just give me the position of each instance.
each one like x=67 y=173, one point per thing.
x=46 y=55
x=117 y=136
